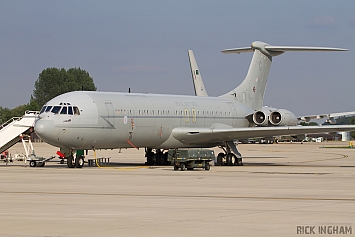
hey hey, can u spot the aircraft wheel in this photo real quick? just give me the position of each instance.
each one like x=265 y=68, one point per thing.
x=220 y=158
x=79 y=162
x=182 y=167
x=70 y=161
x=33 y=163
x=42 y=164
x=231 y=159
x=176 y=167
x=207 y=166
x=239 y=162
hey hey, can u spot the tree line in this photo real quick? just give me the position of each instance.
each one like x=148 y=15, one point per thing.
x=50 y=83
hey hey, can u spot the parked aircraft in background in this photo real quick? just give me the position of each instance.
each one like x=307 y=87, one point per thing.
x=85 y=120
x=329 y=117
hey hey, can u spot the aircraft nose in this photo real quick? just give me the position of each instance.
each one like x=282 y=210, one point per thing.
x=44 y=129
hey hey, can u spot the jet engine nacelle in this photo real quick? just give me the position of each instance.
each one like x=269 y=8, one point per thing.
x=261 y=117
x=283 y=117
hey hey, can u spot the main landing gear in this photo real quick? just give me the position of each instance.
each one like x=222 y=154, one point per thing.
x=231 y=155
x=156 y=157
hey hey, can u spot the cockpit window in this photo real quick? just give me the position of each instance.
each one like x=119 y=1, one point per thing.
x=64 y=110
x=76 y=110
x=70 y=110
x=43 y=109
x=48 y=108
x=56 y=109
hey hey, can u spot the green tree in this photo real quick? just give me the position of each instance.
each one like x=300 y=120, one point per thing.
x=346 y=120
x=6 y=113
x=52 y=82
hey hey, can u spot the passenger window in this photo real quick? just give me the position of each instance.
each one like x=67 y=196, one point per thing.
x=43 y=109
x=64 y=110
x=56 y=109
x=48 y=108
x=70 y=110
x=76 y=110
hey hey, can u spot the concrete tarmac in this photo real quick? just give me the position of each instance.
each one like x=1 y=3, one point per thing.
x=280 y=189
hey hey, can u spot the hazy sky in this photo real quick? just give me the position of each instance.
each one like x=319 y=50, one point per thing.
x=143 y=45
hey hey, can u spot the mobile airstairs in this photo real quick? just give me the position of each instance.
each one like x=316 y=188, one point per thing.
x=11 y=130
x=15 y=130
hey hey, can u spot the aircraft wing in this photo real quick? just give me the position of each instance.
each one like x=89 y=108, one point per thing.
x=210 y=135
x=321 y=116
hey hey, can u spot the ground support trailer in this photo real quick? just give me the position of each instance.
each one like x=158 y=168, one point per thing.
x=191 y=158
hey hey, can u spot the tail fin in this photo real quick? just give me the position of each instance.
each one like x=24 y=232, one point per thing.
x=196 y=76
x=251 y=91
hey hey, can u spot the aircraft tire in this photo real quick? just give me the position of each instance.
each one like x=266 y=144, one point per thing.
x=239 y=162
x=207 y=166
x=33 y=163
x=220 y=158
x=182 y=166
x=42 y=164
x=176 y=167
x=231 y=158
x=79 y=162
x=70 y=162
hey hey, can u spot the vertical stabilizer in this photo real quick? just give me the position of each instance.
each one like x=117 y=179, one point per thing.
x=251 y=91
x=196 y=76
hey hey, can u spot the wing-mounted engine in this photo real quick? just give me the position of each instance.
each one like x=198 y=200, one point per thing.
x=283 y=117
x=272 y=117
x=261 y=117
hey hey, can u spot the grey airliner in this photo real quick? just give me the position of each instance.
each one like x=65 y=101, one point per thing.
x=87 y=120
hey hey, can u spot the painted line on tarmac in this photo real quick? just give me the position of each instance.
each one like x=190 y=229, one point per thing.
x=338 y=158
x=182 y=196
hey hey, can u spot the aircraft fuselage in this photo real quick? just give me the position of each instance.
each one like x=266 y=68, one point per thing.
x=123 y=120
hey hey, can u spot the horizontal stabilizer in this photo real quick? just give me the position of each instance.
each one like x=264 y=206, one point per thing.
x=238 y=50
x=270 y=50
x=300 y=48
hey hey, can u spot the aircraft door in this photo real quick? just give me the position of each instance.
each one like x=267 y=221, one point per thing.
x=233 y=114
x=110 y=113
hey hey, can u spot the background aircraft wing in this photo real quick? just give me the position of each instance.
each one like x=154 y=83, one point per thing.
x=210 y=135
x=321 y=116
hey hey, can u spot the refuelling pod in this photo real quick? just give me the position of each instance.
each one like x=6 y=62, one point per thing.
x=283 y=117
x=261 y=117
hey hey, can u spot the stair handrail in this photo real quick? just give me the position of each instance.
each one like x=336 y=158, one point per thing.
x=27 y=112
x=31 y=112
x=9 y=121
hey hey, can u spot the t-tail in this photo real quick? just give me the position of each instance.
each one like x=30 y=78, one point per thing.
x=251 y=91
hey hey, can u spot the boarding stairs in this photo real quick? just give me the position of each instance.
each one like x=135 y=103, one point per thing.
x=11 y=131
